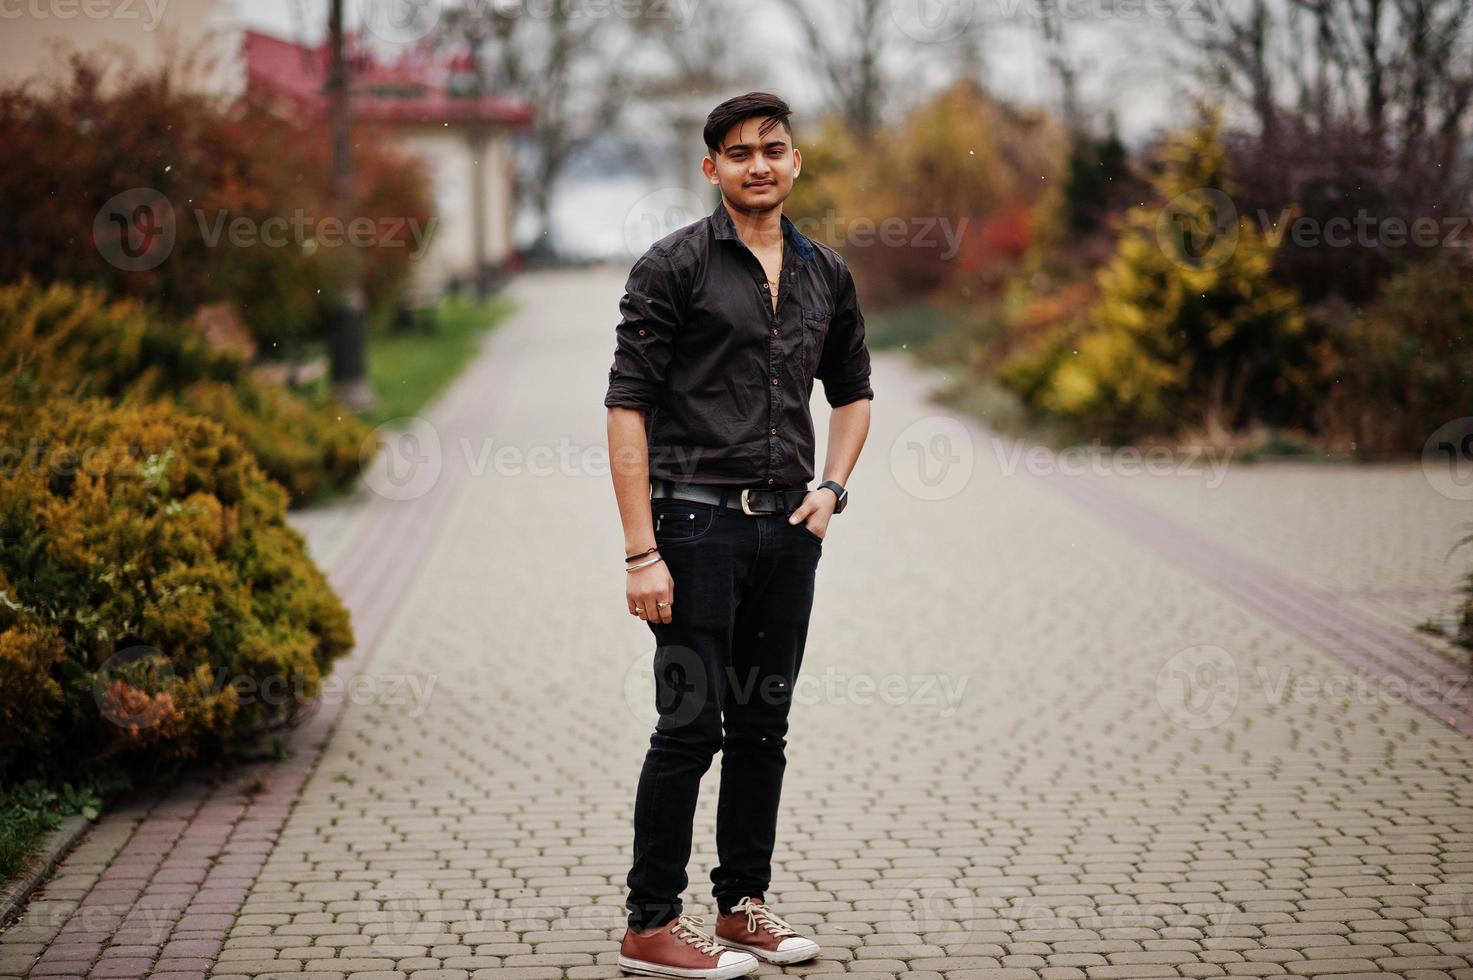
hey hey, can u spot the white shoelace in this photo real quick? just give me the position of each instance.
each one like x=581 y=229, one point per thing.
x=685 y=928
x=769 y=919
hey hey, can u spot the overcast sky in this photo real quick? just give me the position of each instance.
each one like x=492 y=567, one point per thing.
x=1120 y=47
x=1120 y=50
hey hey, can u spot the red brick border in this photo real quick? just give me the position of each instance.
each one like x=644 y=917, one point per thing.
x=1396 y=660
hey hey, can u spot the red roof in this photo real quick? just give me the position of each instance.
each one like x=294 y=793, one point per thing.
x=410 y=90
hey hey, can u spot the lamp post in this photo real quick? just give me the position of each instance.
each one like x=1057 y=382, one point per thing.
x=347 y=346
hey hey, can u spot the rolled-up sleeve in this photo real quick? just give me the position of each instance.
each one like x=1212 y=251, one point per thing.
x=651 y=311
x=844 y=365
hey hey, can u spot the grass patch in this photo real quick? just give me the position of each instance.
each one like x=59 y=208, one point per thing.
x=954 y=342
x=408 y=369
x=906 y=327
x=30 y=809
x=20 y=831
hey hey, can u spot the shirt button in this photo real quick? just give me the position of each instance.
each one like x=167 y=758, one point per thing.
x=774 y=381
x=769 y=481
x=641 y=333
x=764 y=287
x=772 y=432
x=774 y=331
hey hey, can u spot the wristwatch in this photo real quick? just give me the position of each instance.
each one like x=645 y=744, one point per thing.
x=839 y=492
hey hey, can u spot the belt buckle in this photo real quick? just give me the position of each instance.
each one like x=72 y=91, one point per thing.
x=746 y=504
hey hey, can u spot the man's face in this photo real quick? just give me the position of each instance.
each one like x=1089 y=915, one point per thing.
x=755 y=173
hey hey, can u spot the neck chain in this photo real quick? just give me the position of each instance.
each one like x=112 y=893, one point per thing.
x=782 y=247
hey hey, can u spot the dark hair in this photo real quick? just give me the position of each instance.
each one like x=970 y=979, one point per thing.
x=743 y=107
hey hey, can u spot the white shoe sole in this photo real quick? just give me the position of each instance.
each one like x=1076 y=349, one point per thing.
x=787 y=956
x=739 y=969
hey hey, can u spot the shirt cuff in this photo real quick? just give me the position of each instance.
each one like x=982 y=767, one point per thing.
x=632 y=393
x=839 y=396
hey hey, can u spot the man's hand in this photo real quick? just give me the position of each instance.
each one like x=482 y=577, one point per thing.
x=815 y=510
x=647 y=589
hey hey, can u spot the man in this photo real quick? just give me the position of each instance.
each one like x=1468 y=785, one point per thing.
x=726 y=324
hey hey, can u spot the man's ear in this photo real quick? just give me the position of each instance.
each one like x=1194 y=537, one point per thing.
x=797 y=162
x=708 y=167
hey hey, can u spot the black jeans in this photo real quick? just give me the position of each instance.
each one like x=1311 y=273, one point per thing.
x=724 y=674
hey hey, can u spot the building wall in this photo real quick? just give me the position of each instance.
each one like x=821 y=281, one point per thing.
x=35 y=38
x=448 y=158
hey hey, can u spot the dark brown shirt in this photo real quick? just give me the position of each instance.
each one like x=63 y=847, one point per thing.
x=724 y=381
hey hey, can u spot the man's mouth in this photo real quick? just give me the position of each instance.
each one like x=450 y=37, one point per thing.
x=764 y=183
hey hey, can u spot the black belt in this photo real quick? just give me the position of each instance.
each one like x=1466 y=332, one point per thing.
x=749 y=500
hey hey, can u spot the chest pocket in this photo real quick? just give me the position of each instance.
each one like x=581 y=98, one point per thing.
x=815 y=331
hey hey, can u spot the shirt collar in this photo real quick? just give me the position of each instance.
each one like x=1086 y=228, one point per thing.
x=721 y=222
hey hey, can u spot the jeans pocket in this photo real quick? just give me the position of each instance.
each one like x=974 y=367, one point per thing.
x=679 y=521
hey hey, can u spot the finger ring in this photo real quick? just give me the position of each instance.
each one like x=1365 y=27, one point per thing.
x=639 y=609
x=662 y=605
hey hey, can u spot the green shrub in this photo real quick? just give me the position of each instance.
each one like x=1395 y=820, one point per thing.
x=76 y=340
x=1402 y=366
x=149 y=588
x=310 y=449
x=1178 y=340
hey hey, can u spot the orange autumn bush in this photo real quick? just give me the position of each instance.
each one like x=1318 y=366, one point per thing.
x=955 y=182
x=150 y=590
x=110 y=134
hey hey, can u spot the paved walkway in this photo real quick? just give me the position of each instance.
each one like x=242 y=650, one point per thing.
x=1039 y=733
x=1377 y=536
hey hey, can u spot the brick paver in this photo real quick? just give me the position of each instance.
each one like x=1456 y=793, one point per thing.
x=1377 y=536
x=1024 y=743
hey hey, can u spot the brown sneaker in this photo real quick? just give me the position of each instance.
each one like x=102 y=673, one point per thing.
x=754 y=927
x=679 y=949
